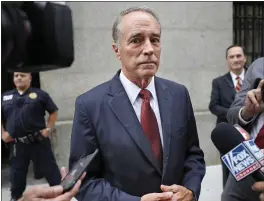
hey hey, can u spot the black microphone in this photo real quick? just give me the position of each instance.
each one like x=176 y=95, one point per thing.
x=242 y=156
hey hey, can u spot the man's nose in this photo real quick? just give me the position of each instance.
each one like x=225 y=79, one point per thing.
x=236 y=59
x=148 y=48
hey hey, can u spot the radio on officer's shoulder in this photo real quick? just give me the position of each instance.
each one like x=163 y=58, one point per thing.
x=76 y=172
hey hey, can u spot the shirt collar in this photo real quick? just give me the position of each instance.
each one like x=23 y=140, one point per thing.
x=28 y=90
x=133 y=90
x=234 y=76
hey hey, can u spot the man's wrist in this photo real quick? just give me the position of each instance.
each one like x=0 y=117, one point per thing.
x=49 y=130
x=193 y=194
x=244 y=116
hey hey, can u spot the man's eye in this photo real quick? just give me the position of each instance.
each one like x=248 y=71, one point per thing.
x=135 y=40
x=155 y=40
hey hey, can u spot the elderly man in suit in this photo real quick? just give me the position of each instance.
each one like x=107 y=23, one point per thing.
x=248 y=111
x=143 y=125
x=225 y=87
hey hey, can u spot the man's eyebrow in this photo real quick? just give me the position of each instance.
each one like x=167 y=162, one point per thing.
x=156 y=35
x=139 y=34
x=135 y=35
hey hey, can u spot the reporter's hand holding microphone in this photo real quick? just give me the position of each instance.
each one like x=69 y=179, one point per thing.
x=54 y=193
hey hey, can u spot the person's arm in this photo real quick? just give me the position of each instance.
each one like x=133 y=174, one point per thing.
x=5 y=135
x=215 y=107
x=52 y=119
x=239 y=102
x=53 y=193
x=194 y=165
x=52 y=109
x=2 y=128
x=83 y=141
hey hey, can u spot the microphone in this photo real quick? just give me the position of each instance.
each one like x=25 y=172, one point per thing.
x=242 y=156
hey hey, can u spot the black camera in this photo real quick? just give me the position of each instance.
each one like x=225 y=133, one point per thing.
x=36 y=36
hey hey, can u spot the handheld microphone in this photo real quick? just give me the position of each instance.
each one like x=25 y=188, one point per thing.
x=243 y=158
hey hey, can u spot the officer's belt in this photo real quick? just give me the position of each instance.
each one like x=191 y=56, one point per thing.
x=30 y=138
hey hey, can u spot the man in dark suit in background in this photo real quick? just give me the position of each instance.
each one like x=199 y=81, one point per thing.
x=143 y=125
x=224 y=89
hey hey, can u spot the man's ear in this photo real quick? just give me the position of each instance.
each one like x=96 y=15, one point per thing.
x=30 y=76
x=116 y=50
x=246 y=58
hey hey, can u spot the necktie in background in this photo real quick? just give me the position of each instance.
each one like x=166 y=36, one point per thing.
x=238 y=85
x=260 y=138
x=150 y=125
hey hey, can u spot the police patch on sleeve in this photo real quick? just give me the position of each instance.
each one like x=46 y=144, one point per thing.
x=33 y=95
x=8 y=97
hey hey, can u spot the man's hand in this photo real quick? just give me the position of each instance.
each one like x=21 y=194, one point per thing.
x=6 y=137
x=166 y=196
x=253 y=102
x=259 y=187
x=45 y=133
x=54 y=193
x=180 y=192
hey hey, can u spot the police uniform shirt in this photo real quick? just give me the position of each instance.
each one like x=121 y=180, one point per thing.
x=23 y=114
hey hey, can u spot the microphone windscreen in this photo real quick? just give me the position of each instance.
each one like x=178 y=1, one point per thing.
x=225 y=137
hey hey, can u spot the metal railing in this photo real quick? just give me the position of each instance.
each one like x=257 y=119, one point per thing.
x=248 y=28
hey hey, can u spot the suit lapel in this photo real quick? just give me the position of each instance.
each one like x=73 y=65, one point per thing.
x=122 y=108
x=229 y=81
x=165 y=108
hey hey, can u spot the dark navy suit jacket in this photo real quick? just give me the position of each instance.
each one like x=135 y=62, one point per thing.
x=126 y=169
x=222 y=96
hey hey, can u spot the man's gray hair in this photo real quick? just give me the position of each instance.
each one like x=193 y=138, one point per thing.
x=115 y=29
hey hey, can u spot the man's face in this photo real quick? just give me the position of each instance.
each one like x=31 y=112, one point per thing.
x=236 y=59
x=139 y=41
x=22 y=80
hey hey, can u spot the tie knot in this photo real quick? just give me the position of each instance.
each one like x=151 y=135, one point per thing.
x=238 y=78
x=144 y=94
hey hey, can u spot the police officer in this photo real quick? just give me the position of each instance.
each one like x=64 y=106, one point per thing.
x=25 y=130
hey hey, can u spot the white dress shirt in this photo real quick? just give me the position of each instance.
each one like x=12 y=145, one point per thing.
x=256 y=126
x=133 y=90
x=234 y=76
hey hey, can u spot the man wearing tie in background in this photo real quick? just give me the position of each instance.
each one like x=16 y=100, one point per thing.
x=224 y=88
x=143 y=125
x=248 y=111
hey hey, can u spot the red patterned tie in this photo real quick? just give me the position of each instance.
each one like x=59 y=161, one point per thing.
x=150 y=126
x=238 y=85
x=260 y=138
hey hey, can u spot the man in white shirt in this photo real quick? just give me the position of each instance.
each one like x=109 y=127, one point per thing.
x=225 y=87
x=248 y=111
